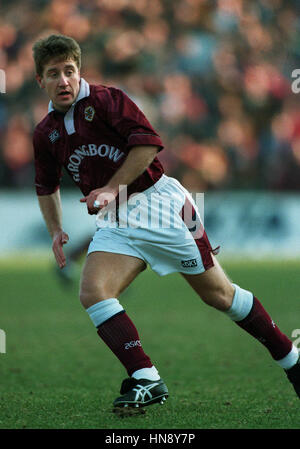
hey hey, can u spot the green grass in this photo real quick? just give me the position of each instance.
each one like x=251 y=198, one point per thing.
x=57 y=374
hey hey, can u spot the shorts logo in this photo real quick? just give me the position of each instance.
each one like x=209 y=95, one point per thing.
x=189 y=263
x=133 y=344
x=54 y=135
x=89 y=113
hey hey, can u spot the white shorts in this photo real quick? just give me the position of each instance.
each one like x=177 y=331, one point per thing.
x=161 y=226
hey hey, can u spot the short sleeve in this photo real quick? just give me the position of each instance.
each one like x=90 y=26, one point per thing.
x=48 y=171
x=127 y=119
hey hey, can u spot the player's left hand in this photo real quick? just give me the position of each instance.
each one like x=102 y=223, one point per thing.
x=103 y=196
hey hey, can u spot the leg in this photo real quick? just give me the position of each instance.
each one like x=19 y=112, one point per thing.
x=106 y=275
x=213 y=287
x=241 y=306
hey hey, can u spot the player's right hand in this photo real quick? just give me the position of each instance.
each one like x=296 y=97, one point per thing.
x=60 y=238
x=104 y=196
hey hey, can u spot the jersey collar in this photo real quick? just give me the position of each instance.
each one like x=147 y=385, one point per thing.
x=84 y=91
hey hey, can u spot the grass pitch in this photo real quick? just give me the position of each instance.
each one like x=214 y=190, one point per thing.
x=57 y=374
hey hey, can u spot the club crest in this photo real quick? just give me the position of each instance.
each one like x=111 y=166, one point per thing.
x=89 y=113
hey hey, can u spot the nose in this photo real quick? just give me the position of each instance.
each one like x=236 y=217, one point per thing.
x=63 y=80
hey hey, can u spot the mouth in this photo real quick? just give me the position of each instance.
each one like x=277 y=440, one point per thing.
x=64 y=95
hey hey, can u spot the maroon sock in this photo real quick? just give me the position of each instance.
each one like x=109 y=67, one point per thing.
x=261 y=326
x=121 y=336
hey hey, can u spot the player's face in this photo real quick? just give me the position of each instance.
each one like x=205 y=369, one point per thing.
x=61 y=80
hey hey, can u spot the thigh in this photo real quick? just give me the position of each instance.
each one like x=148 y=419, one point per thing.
x=213 y=286
x=105 y=275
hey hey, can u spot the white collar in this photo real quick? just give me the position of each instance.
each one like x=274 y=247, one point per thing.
x=84 y=91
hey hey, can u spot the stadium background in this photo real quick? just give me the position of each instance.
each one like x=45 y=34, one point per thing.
x=214 y=78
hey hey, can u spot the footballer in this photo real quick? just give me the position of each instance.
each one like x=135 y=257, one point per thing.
x=104 y=141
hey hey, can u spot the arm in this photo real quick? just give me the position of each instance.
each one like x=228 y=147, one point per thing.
x=51 y=209
x=137 y=161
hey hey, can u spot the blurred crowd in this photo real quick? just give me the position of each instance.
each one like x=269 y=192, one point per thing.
x=213 y=77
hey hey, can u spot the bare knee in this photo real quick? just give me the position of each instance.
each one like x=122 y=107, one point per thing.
x=213 y=287
x=90 y=293
x=219 y=297
x=106 y=275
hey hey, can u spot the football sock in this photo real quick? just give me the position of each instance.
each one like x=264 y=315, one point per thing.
x=250 y=315
x=120 y=334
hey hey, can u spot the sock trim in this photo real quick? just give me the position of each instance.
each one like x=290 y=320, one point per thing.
x=104 y=310
x=241 y=305
x=290 y=359
x=146 y=373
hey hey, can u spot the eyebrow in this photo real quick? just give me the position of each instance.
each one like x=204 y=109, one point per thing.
x=53 y=69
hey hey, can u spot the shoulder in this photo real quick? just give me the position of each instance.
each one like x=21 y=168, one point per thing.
x=43 y=127
x=100 y=90
x=106 y=95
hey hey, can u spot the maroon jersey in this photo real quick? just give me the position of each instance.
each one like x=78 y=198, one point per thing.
x=92 y=140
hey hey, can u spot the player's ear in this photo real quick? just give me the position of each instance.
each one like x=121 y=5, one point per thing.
x=40 y=81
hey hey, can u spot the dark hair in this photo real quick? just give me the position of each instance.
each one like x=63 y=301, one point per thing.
x=55 y=46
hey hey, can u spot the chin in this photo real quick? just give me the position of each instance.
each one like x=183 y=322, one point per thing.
x=63 y=106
